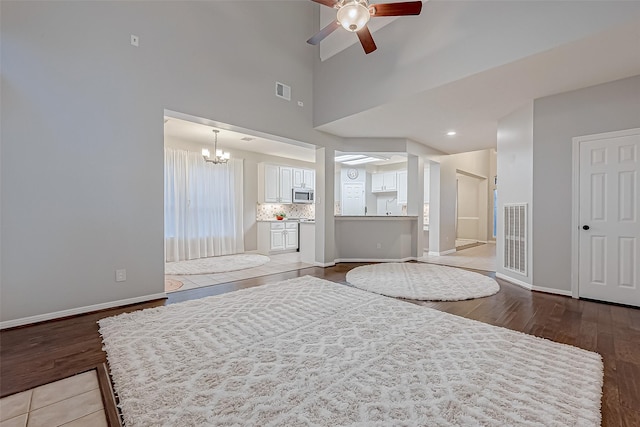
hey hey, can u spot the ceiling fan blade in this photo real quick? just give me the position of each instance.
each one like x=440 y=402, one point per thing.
x=396 y=9
x=366 y=40
x=320 y=35
x=330 y=3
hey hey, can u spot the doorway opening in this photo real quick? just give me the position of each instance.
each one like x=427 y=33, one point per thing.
x=469 y=211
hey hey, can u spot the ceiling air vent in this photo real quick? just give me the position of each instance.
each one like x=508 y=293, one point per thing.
x=283 y=91
x=247 y=138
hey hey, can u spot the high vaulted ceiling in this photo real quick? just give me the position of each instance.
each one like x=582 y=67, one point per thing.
x=473 y=106
x=471 y=103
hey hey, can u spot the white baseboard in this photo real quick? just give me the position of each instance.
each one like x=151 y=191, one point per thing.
x=533 y=287
x=450 y=251
x=79 y=310
x=514 y=281
x=324 y=264
x=411 y=258
x=552 y=291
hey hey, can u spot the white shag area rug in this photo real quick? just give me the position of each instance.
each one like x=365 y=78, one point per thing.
x=422 y=281
x=311 y=352
x=216 y=264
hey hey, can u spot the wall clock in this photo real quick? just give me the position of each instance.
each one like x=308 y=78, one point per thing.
x=352 y=173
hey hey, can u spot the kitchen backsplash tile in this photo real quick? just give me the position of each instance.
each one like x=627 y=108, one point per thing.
x=267 y=211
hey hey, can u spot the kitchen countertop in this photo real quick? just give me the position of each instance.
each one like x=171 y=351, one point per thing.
x=375 y=217
x=300 y=220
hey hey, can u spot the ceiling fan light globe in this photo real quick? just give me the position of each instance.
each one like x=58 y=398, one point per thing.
x=353 y=16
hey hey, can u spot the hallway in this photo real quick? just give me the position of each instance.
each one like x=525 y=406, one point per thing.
x=481 y=257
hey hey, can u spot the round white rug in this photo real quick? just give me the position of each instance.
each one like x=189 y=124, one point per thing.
x=216 y=264
x=422 y=281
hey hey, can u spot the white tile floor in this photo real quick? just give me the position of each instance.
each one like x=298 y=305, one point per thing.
x=279 y=263
x=481 y=257
x=71 y=402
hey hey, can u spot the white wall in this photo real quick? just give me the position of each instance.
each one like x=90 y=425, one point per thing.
x=82 y=129
x=556 y=120
x=515 y=179
x=493 y=172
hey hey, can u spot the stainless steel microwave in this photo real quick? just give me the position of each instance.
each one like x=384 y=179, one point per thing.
x=302 y=195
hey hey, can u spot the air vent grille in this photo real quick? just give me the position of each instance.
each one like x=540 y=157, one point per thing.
x=283 y=91
x=515 y=237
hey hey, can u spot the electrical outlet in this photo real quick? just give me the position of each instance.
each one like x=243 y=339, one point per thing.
x=135 y=41
x=121 y=275
x=379 y=245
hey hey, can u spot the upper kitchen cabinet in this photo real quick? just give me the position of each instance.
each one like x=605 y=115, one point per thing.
x=384 y=181
x=304 y=178
x=277 y=183
x=402 y=187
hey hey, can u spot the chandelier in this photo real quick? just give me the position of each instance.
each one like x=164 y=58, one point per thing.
x=220 y=157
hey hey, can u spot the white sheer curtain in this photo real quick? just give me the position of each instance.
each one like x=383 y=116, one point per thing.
x=202 y=206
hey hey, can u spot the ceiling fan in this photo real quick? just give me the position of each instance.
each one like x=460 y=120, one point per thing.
x=353 y=16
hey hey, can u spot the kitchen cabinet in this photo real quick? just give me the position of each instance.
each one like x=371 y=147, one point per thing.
x=384 y=181
x=277 y=185
x=277 y=236
x=303 y=178
x=291 y=236
x=402 y=188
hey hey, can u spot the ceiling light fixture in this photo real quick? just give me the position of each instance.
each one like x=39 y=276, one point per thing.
x=220 y=157
x=354 y=15
x=347 y=157
x=451 y=133
x=364 y=160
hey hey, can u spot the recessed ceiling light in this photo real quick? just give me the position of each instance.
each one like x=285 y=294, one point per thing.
x=451 y=133
x=247 y=138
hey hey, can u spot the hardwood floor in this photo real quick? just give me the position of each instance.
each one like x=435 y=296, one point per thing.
x=34 y=355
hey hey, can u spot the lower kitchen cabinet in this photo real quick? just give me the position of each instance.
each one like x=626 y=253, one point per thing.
x=277 y=236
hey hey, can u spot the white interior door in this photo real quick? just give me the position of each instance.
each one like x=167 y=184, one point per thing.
x=352 y=198
x=609 y=233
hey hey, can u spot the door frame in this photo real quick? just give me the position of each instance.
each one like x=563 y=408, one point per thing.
x=575 y=200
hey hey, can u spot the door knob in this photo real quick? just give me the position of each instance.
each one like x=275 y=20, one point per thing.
x=585 y=227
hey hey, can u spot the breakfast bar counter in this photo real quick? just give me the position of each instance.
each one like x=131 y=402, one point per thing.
x=376 y=238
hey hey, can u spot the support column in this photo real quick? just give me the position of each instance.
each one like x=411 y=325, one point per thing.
x=415 y=200
x=325 y=200
x=434 y=208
